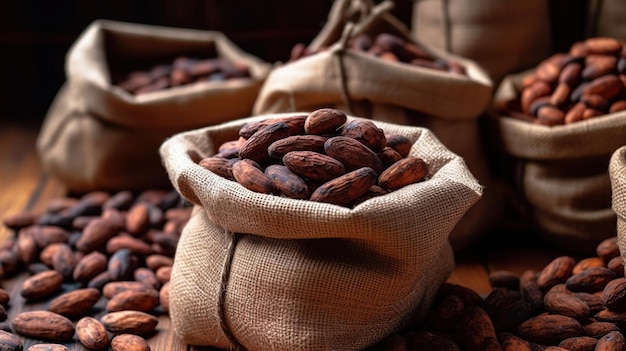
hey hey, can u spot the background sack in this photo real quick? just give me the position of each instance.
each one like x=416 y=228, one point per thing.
x=98 y=136
x=606 y=19
x=561 y=172
x=503 y=37
x=449 y=105
x=308 y=275
x=617 y=172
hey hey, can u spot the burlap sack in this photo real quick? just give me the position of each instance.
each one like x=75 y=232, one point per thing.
x=503 y=37
x=98 y=136
x=562 y=172
x=273 y=273
x=449 y=105
x=617 y=173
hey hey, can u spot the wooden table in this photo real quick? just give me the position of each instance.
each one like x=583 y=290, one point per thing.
x=23 y=186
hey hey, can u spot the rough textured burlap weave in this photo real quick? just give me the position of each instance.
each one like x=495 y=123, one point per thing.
x=449 y=105
x=503 y=37
x=98 y=136
x=617 y=172
x=563 y=172
x=302 y=275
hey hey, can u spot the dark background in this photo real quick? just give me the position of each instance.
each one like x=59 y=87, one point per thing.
x=35 y=35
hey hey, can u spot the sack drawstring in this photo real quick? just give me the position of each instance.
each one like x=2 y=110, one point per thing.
x=221 y=302
x=350 y=31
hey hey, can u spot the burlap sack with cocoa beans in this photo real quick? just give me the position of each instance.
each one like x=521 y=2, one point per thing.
x=559 y=173
x=273 y=273
x=97 y=135
x=617 y=173
x=503 y=37
x=447 y=104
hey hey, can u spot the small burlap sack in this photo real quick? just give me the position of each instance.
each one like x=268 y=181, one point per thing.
x=265 y=272
x=617 y=173
x=561 y=172
x=449 y=105
x=503 y=37
x=98 y=136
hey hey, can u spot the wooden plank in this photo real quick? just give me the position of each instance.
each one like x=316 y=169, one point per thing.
x=20 y=170
x=470 y=272
x=518 y=252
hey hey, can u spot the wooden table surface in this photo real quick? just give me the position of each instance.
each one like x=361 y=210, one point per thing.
x=23 y=186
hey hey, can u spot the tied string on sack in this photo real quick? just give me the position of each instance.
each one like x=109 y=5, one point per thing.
x=350 y=31
x=341 y=12
x=221 y=301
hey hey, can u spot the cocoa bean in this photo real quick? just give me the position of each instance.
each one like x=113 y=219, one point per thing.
x=287 y=183
x=140 y=300
x=43 y=325
x=407 y=171
x=613 y=340
x=10 y=342
x=129 y=342
x=352 y=154
x=557 y=271
x=550 y=329
x=475 y=328
x=164 y=296
x=255 y=148
x=133 y=322
x=590 y=280
x=281 y=147
x=400 y=143
x=137 y=219
x=75 y=303
x=89 y=266
x=91 y=333
x=346 y=188
x=41 y=285
x=122 y=264
x=247 y=173
x=579 y=343
x=219 y=165
x=324 y=121
x=313 y=165
x=365 y=132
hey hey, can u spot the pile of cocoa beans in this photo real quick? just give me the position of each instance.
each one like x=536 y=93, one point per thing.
x=577 y=305
x=389 y=47
x=99 y=263
x=318 y=157
x=182 y=71
x=586 y=82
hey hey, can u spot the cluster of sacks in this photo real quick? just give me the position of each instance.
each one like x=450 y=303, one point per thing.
x=487 y=172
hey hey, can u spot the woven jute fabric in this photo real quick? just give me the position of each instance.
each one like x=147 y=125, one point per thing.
x=504 y=37
x=617 y=172
x=98 y=136
x=449 y=105
x=264 y=272
x=562 y=172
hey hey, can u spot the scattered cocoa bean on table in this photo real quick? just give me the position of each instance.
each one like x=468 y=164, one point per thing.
x=113 y=249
